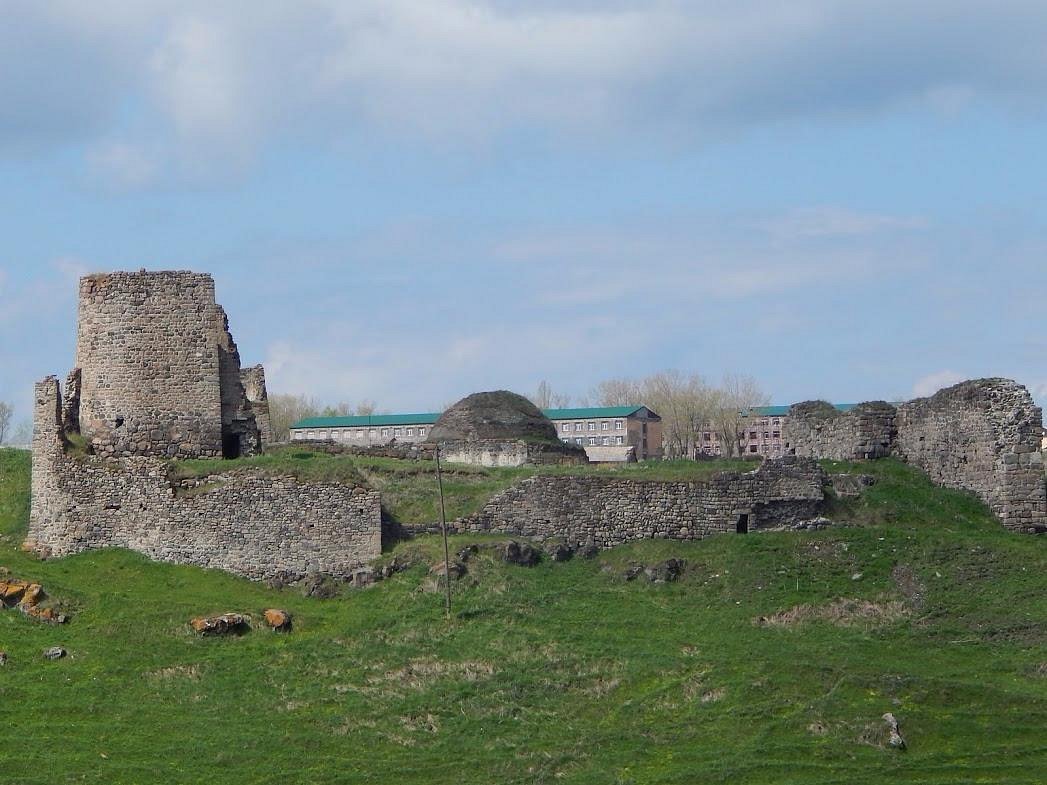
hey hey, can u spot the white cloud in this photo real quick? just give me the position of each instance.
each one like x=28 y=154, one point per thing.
x=219 y=81
x=932 y=382
x=123 y=165
x=831 y=221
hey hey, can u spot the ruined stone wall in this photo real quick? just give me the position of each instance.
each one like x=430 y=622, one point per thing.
x=817 y=429
x=251 y=525
x=983 y=436
x=253 y=381
x=607 y=511
x=159 y=372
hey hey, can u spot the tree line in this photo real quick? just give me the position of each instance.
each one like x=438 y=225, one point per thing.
x=686 y=402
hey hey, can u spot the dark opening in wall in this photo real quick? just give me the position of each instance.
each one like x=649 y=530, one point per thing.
x=230 y=446
x=742 y=527
x=119 y=422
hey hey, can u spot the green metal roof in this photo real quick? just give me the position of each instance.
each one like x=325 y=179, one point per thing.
x=367 y=420
x=428 y=418
x=591 y=412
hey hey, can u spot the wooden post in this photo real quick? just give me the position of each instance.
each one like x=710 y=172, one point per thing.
x=443 y=529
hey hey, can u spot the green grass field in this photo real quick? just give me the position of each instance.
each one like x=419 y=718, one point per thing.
x=557 y=673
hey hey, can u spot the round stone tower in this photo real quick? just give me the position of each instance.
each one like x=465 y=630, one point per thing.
x=153 y=352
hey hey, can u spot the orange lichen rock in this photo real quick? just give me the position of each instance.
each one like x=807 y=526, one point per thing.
x=278 y=619
x=12 y=591
x=219 y=625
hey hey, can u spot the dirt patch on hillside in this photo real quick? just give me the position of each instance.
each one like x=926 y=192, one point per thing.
x=909 y=584
x=841 y=612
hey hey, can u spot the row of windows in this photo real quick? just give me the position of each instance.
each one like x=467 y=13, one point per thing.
x=593 y=440
x=605 y=425
x=359 y=433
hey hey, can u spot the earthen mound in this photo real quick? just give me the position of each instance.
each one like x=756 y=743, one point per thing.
x=499 y=415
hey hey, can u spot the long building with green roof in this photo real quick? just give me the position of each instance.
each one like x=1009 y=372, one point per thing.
x=608 y=433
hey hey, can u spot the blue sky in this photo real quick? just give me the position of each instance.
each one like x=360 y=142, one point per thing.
x=406 y=201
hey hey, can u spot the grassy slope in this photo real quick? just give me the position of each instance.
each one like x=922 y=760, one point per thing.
x=557 y=673
x=408 y=486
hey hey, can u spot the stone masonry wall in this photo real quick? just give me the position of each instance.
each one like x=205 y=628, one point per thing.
x=251 y=525
x=149 y=364
x=159 y=372
x=984 y=436
x=818 y=429
x=253 y=381
x=607 y=511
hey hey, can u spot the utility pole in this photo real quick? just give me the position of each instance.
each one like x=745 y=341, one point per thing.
x=443 y=529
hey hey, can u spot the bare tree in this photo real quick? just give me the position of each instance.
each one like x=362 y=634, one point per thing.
x=546 y=398
x=285 y=410
x=366 y=407
x=23 y=433
x=736 y=397
x=7 y=411
x=618 y=392
x=684 y=402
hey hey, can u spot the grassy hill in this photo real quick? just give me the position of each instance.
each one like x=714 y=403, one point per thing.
x=557 y=673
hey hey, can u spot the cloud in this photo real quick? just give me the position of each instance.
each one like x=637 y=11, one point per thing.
x=213 y=84
x=932 y=382
x=124 y=166
x=837 y=222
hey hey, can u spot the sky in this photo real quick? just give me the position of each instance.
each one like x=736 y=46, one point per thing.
x=405 y=201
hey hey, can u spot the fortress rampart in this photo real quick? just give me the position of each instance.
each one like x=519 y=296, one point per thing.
x=249 y=524
x=608 y=511
x=982 y=435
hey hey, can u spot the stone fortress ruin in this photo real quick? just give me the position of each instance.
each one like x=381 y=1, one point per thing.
x=982 y=435
x=158 y=379
x=158 y=373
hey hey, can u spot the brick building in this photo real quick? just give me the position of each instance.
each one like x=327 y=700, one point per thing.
x=608 y=433
x=761 y=432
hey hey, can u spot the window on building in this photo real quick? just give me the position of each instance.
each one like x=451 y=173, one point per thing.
x=777 y=434
x=410 y=432
x=372 y=433
x=592 y=426
x=385 y=431
x=618 y=440
x=605 y=426
x=421 y=431
x=578 y=426
x=752 y=448
x=566 y=440
x=606 y=440
x=752 y=434
x=579 y=440
x=592 y=440
x=777 y=421
x=767 y=434
x=565 y=427
x=618 y=425
x=708 y=437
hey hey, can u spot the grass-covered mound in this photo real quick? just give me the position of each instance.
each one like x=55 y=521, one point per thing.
x=409 y=487
x=763 y=664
